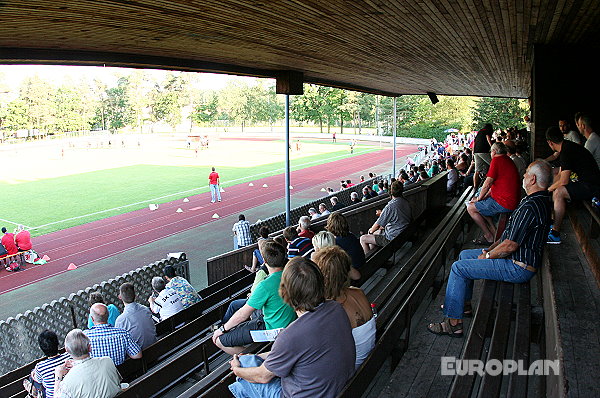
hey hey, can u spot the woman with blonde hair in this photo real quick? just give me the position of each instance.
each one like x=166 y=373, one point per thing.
x=335 y=265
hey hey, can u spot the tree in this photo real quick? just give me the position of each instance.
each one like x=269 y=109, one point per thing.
x=68 y=109
x=37 y=95
x=500 y=112
x=169 y=98
x=15 y=115
x=207 y=110
x=118 y=112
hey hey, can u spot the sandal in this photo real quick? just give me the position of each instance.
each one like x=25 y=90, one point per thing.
x=481 y=242
x=467 y=310
x=445 y=328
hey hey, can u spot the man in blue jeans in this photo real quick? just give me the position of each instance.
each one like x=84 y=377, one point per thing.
x=515 y=257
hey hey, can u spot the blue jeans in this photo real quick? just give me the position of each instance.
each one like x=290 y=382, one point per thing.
x=468 y=268
x=214 y=191
x=232 y=308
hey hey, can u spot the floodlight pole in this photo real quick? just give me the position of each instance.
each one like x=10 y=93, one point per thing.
x=394 y=149
x=287 y=161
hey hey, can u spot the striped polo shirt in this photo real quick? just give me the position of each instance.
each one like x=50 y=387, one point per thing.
x=44 y=372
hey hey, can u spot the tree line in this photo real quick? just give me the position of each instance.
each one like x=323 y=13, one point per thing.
x=139 y=99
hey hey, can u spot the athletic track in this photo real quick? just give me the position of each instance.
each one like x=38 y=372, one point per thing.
x=85 y=244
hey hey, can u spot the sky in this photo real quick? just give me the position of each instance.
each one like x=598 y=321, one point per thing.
x=13 y=75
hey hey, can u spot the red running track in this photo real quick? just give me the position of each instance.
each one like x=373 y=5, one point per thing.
x=98 y=240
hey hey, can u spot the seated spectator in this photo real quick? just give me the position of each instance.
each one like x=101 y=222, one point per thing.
x=338 y=226
x=385 y=188
x=164 y=302
x=365 y=194
x=109 y=341
x=592 y=140
x=343 y=185
x=257 y=259
x=335 y=204
x=578 y=178
x=371 y=193
x=304 y=228
x=362 y=178
x=234 y=334
x=568 y=134
x=313 y=213
x=354 y=198
x=423 y=176
x=375 y=186
x=136 y=318
x=349 y=183
x=23 y=239
x=335 y=266
x=404 y=178
x=85 y=376
x=241 y=230
x=43 y=373
x=394 y=219
x=8 y=241
x=308 y=367
x=463 y=164
x=434 y=169
x=500 y=193
x=514 y=258
x=452 y=176
x=189 y=296
x=297 y=245
x=323 y=210
x=511 y=148
x=113 y=311
x=321 y=240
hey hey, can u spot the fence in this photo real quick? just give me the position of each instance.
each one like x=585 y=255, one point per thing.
x=18 y=335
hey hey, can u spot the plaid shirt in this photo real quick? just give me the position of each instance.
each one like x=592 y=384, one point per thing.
x=109 y=341
x=242 y=230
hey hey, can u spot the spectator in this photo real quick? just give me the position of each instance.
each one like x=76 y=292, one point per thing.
x=434 y=169
x=335 y=265
x=304 y=228
x=592 y=143
x=321 y=240
x=113 y=311
x=520 y=163
x=323 y=210
x=423 y=176
x=463 y=163
x=313 y=213
x=349 y=183
x=235 y=333
x=404 y=178
x=371 y=192
x=8 y=241
x=385 y=188
x=515 y=257
x=23 y=239
x=164 y=302
x=88 y=377
x=452 y=176
x=338 y=226
x=43 y=373
x=568 y=133
x=500 y=193
x=365 y=194
x=375 y=186
x=578 y=178
x=394 y=219
x=109 y=341
x=136 y=318
x=241 y=230
x=257 y=259
x=330 y=190
x=308 y=367
x=362 y=178
x=335 y=204
x=481 y=152
x=297 y=245
x=189 y=296
x=354 y=198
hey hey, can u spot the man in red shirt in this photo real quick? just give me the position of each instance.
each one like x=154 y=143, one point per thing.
x=500 y=193
x=213 y=183
x=8 y=241
x=23 y=239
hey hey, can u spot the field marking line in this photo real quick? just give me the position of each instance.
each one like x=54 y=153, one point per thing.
x=15 y=223
x=182 y=192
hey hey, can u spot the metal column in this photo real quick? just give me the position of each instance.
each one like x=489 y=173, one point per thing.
x=288 y=220
x=394 y=149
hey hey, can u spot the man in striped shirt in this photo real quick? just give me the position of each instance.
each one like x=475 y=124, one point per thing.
x=241 y=229
x=515 y=257
x=44 y=370
x=109 y=341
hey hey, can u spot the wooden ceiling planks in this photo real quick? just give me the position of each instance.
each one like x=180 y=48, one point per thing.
x=461 y=47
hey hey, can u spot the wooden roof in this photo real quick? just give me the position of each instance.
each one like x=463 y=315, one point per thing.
x=476 y=47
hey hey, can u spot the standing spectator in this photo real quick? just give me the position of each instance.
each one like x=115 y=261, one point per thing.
x=214 y=182
x=189 y=296
x=592 y=143
x=241 y=230
x=500 y=193
x=308 y=367
x=338 y=226
x=323 y=210
x=164 y=302
x=136 y=318
x=481 y=152
x=113 y=311
x=304 y=228
x=109 y=341
x=313 y=213
x=8 y=241
x=394 y=219
x=43 y=373
x=88 y=377
x=297 y=245
x=578 y=178
x=335 y=204
x=23 y=239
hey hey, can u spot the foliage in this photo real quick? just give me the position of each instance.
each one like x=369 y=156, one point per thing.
x=500 y=112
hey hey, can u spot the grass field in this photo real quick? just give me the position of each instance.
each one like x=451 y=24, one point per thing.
x=87 y=182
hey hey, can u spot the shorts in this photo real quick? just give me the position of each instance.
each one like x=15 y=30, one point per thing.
x=240 y=335
x=381 y=240
x=482 y=161
x=581 y=190
x=489 y=207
